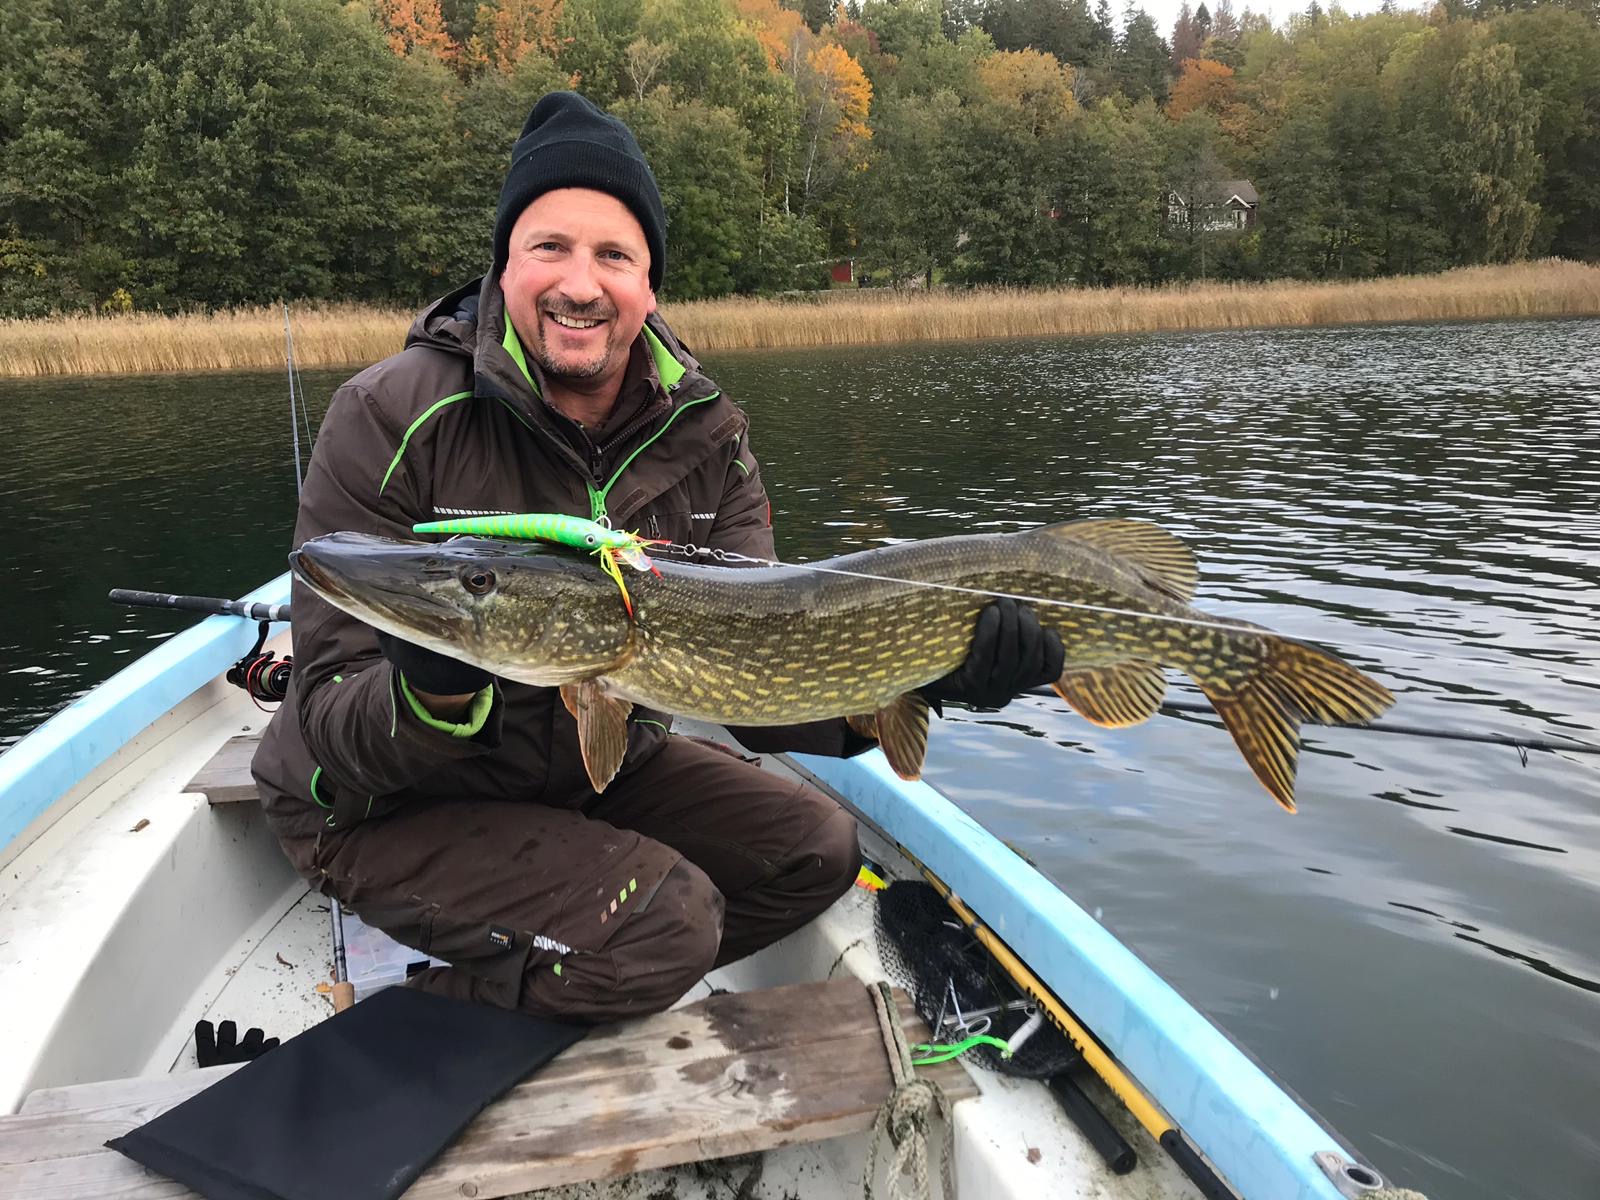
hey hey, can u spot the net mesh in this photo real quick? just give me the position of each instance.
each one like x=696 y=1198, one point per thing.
x=949 y=974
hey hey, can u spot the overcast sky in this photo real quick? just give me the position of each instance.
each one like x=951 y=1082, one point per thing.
x=1165 y=12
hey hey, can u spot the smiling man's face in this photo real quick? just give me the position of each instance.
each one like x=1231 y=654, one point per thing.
x=577 y=285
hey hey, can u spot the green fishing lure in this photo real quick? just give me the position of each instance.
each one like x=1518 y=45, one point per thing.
x=613 y=546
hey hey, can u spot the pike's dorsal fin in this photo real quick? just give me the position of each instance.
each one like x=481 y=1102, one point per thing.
x=902 y=731
x=1166 y=561
x=602 y=729
x=1125 y=694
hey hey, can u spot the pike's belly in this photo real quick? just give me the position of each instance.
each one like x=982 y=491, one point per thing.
x=790 y=668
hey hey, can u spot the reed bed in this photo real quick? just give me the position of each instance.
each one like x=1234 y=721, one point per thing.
x=344 y=335
x=235 y=340
x=1542 y=289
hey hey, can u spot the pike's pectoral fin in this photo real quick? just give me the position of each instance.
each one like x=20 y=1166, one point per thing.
x=902 y=732
x=1166 y=562
x=866 y=724
x=602 y=729
x=1115 y=696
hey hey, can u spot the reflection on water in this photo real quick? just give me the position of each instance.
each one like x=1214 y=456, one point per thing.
x=1414 y=953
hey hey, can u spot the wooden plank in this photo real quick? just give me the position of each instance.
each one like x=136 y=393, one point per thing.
x=112 y=1093
x=102 y=1112
x=226 y=778
x=730 y=1074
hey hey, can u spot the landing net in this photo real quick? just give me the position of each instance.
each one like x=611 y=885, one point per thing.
x=956 y=986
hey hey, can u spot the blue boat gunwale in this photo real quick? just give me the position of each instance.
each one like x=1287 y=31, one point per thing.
x=65 y=749
x=1259 y=1138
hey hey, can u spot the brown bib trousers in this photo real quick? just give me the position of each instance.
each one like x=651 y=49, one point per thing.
x=613 y=909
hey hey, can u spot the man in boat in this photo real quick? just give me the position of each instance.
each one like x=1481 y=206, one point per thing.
x=451 y=809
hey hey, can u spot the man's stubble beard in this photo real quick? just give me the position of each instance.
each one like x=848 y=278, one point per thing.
x=553 y=370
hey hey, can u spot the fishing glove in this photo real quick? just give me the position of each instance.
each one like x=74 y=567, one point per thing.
x=222 y=1045
x=1011 y=652
x=427 y=671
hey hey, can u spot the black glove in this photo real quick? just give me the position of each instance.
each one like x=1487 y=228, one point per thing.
x=467 y=309
x=211 y=1049
x=433 y=673
x=1011 y=652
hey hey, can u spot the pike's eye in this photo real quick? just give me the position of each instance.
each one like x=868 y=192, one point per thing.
x=478 y=581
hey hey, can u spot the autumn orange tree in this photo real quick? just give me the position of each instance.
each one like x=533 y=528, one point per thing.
x=835 y=99
x=779 y=30
x=412 y=25
x=1202 y=84
x=504 y=32
x=1036 y=87
x=1209 y=87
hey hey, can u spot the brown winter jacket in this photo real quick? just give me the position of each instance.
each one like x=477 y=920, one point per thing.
x=454 y=425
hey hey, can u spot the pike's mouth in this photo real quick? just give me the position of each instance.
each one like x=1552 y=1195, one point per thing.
x=308 y=569
x=372 y=590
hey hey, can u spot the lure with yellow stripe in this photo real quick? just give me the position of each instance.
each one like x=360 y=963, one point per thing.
x=613 y=546
x=780 y=645
x=559 y=528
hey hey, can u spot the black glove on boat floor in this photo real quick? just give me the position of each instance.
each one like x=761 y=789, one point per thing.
x=1011 y=652
x=222 y=1045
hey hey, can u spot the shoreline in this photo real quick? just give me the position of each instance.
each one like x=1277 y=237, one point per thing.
x=335 y=335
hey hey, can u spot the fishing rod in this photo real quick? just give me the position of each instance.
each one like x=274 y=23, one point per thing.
x=692 y=551
x=210 y=606
x=1520 y=744
x=261 y=673
x=344 y=992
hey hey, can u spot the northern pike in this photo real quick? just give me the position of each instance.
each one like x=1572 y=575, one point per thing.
x=852 y=637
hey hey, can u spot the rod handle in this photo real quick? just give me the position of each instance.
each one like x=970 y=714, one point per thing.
x=1091 y=1122
x=344 y=995
x=1196 y=1168
x=209 y=605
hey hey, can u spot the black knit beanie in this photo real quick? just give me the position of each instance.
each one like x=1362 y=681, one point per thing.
x=568 y=142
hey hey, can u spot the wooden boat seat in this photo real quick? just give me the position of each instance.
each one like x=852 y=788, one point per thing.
x=226 y=778
x=730 y=1074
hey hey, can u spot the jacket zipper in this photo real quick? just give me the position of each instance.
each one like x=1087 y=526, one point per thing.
x=597 y=496
x=628 y=431
x=597 y=454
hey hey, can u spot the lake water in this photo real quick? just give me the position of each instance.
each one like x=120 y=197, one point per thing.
x=1416 y=954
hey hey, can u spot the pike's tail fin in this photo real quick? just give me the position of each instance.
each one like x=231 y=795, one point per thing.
x=1294 y=683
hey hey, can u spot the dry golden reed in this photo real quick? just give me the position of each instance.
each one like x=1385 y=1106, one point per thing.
x=1543 y=289
x=345 y=335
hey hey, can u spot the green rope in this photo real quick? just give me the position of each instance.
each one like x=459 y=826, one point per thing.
x=939 y=1053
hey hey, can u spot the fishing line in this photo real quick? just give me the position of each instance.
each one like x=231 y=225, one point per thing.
x=729 y=556
x=294 y=427
x=305 y=411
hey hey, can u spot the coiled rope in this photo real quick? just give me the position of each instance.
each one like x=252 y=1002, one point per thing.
x=906 y=1115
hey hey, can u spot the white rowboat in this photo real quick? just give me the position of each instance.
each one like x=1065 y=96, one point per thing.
x=130 y=908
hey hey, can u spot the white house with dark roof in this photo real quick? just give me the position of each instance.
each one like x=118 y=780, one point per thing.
x=1222 y=204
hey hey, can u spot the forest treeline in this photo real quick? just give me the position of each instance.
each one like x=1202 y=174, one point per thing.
x=186 y=154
